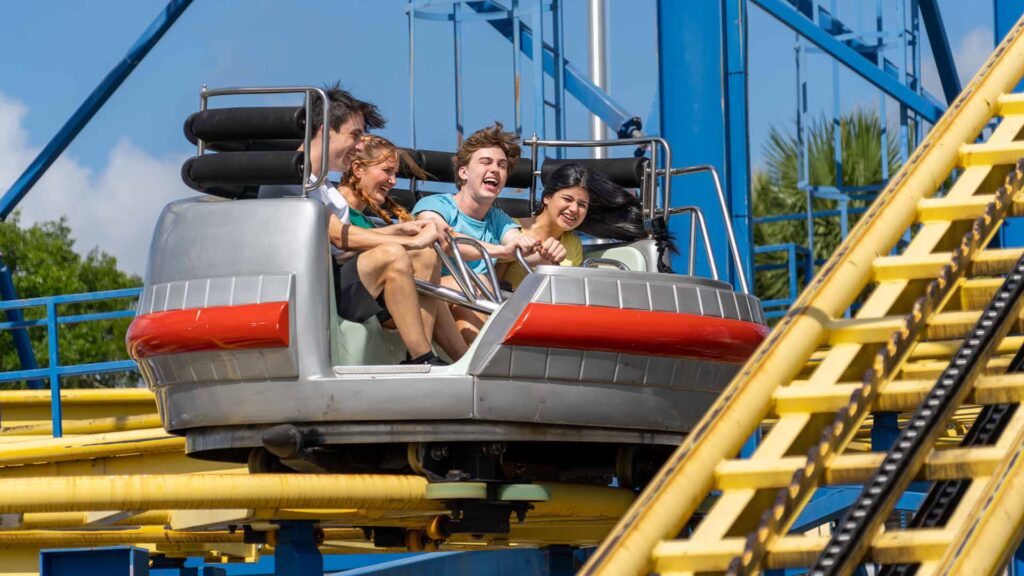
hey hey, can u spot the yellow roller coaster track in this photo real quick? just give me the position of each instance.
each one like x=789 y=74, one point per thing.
x=813 y=383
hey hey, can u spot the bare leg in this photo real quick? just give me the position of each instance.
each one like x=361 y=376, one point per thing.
x=426 y=266
x=388 y=268
x=446 y=334
x=467 y=322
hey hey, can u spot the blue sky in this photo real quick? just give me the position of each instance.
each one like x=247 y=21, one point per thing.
x=112 y=181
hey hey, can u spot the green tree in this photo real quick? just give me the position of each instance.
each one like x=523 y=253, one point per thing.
x=775 y=191
x=43 y=263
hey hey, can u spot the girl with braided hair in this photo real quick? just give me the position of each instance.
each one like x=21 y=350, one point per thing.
x=365 y=188
x=371 y=176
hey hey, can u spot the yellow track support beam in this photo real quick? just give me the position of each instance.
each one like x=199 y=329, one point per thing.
x=904 y=546
x=87 y=426
x=147 y=535
x=33 y=406
x=926 y=267
x=269 y=491
x=681 y=485
x=990 y=155
x=899 y=395
x=89 y=446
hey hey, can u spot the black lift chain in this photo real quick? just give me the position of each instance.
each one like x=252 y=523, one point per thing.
x=789 y=501
x=943 y=497
x=852 y=535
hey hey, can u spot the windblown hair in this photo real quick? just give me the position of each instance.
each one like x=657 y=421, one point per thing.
x=377 y=150
x=342 y=106
x=614 y=212
x=493 y=136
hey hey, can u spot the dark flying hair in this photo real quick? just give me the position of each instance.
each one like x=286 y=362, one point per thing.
x=343 y=105
x=614 y=212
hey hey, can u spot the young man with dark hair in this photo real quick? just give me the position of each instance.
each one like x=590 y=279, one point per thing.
x=374 y=272
x=482 y=165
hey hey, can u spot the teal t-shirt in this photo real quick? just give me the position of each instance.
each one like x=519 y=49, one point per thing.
x=491 y=229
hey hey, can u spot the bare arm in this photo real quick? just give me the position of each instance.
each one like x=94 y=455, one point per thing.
x=467 y=252
x=349 y=237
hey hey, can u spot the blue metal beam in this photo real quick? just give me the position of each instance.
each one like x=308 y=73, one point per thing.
x=702 y=104
x=851 y=59
x=940 y=49
x=577 y=83
x=1006 y=12
x=92 y=104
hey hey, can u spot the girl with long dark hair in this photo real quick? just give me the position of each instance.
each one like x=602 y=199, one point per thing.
x=579 y=199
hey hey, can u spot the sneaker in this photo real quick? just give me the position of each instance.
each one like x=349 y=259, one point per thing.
x=428 y=358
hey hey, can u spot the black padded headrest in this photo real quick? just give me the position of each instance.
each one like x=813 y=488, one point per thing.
x=241 y=124
x=626 y=172
x=283 y=145
x=441 y=167
x=228 y=170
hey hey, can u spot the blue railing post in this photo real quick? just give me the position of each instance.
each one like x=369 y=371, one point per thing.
x=51 y=336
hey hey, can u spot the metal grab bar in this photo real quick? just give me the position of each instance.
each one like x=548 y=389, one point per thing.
x=492 y=274
x=206 y=93
x=697 y=220
x=730 y=235
x=449 y=295
x=595 y=262
x=522 y=261
x=461 y=280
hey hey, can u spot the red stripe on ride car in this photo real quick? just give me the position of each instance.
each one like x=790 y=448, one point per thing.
x=641 y=332
x=244 y=327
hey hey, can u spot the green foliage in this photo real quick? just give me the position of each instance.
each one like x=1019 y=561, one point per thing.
x=43 y=263
x=775 y=191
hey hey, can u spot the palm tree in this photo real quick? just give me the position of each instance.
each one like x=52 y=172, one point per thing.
x=775 y=190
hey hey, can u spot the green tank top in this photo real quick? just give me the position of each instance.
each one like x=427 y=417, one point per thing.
x=358 y=219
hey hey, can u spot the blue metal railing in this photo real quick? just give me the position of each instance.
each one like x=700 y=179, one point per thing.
x=54 y=370
x=777 y=308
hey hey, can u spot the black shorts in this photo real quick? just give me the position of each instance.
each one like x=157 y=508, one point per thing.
x=353 y=300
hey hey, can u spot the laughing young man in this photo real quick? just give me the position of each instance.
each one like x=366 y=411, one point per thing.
x=482 y=165
x=373 y=271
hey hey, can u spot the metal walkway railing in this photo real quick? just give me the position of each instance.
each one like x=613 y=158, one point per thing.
x=54 y=371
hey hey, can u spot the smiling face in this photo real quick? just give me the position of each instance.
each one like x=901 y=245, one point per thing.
x=345 y=142
x=485 y=173
x=567 y=207
x=376 y=180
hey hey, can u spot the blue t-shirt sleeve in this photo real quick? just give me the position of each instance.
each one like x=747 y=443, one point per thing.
x=500 y=223
x=442 y=204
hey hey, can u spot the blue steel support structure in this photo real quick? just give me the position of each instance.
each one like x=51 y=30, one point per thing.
x=850 y=58
x=940 y=48
x=1007 y=12
x=703 y=101
x=575 y=80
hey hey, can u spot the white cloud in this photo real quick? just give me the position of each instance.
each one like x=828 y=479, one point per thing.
x=969 y=54
x=114 y=210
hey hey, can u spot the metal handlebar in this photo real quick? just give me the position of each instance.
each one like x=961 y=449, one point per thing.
x=492 y=274
x=730 y=235
x=697 y=220
x=522 y=261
